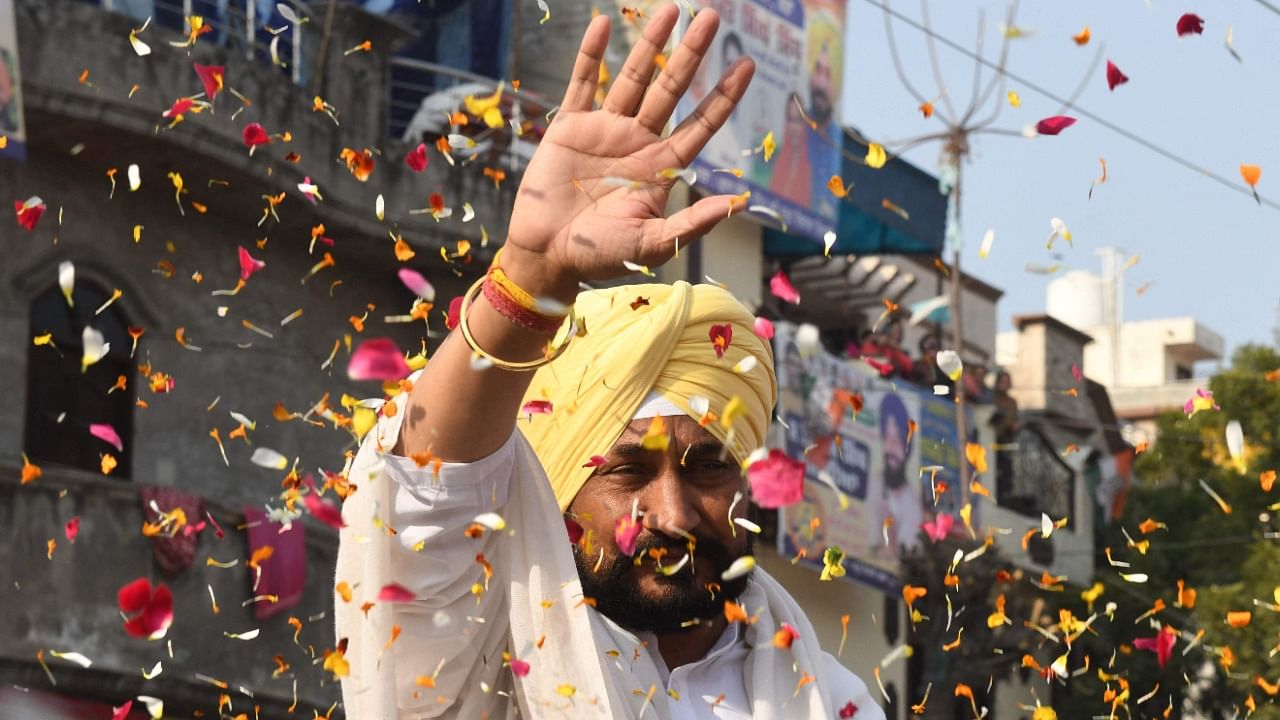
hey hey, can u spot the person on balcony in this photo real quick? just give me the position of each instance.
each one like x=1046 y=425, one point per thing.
x=584 y=562
x=1007 y=425
x=884 y=348
x=927 y=372
x=975 y=383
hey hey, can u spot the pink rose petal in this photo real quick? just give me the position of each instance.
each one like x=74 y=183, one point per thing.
x=107 y=434
x=72 y=529
x=625 y=533
x=776 y=481
x=595 y=461
x=519 y=668
x=395 y=593
x=417 y=284
x=455 y=311
x=764 y=328
x=938 y=528
x=782 y=288
x=248 y=264
x=377 y=359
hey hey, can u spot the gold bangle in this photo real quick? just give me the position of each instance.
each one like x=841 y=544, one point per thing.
x=525 y=366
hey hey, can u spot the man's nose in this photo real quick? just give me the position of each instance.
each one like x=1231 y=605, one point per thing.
x=669 y=503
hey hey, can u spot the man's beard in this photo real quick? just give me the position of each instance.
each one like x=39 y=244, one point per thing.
x=615 y=586
x=819 y=105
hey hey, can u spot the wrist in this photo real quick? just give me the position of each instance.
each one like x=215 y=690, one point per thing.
x=532 y=273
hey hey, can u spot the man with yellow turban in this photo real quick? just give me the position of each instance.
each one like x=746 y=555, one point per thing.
x=565 y=543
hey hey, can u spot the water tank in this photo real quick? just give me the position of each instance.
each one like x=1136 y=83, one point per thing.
x=1077 y=299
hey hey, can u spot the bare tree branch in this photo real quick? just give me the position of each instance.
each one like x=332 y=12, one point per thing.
x=933 y=61
x=1084 y=81
x=893 y=53
x=998 y=79
x=977 y=50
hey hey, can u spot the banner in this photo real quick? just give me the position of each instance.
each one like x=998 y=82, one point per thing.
x=871 y=482
x=798 y=48
x=12 y=129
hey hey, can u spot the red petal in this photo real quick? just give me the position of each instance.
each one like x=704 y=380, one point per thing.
x=416 y=158
x=211 y=76
x=395 y=593
x=1114 y=76
x=536 y=407
x=849 y=710
x=575 y=530
x=625 y=532
x=323 y=511
x=248 y=264
x=122 y=712
x=377 y=359
x=721 y=336
x=455 y=310
x=595 y=461
x=255 y=134
x=179 y=106
x=73 y=529
x=519 y=668
x=158 y=615
x=29 y=216
x=1054 y=125
x=1190 y=24
x=132 y=598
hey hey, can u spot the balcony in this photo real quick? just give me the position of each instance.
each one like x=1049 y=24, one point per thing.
x=64 y=600
x=1140 y=402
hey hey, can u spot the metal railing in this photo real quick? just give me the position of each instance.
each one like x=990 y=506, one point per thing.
x=238 y=24
x=424 y=94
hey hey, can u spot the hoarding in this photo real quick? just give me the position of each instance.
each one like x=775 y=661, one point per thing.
x=798 y=48
x=12 y=127
x=865 y=491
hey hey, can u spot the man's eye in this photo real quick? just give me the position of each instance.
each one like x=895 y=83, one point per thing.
x=712 y=466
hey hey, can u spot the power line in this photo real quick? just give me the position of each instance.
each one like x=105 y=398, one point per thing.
x=1131 y=136
x=1269 y=6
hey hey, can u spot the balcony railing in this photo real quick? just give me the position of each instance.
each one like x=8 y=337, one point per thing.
x=425 y=95
x=256 y=29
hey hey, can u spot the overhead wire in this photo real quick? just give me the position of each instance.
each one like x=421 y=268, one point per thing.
x=1083 y=112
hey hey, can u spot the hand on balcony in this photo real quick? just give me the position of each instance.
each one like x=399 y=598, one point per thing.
x=594 y=193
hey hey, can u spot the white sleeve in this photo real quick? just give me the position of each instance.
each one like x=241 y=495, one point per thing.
x=848 y=692
x=449 y=633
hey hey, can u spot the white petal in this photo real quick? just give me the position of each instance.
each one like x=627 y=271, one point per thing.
x=1134 y=577
x=155 y=706
x=491 y=520
x=67 y=280
x=987 y=239
x=1046 y=525
x=287 y=13
x=1235 y=440
x=155 y=670
x=949 y=363
x=699 y=405
x=268 y=458
x=740 y=567
x=380 y=207
x=135 y=178
x=74 y=657
x=808 y=340
x=94 y=346
x=468 y=212
x=746 y=364
x=243 y=420
x=828 y=239
x=745 y=523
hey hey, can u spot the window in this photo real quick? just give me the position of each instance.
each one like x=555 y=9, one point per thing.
x=1035 y=480
x=63 y=401
x=1181 y=372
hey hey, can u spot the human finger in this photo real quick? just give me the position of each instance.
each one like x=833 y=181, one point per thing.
x=660 y=235
x=634 y=77
x=581 y=93
x=694 y=131
x=674 y=80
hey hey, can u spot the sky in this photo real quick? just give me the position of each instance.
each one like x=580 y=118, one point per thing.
x=1210 y=252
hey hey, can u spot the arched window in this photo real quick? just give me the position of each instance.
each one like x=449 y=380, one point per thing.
x=63 y=401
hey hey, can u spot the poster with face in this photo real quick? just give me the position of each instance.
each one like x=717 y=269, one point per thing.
x=797 y=46
x=12 y=126
x=869 y=485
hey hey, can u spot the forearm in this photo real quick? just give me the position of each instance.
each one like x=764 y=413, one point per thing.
x=460 y=414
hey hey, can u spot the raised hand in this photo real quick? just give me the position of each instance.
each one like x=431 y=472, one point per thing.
x=593 y=195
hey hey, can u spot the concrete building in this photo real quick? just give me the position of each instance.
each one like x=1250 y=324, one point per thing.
x=1147 y=366
x=275 y=351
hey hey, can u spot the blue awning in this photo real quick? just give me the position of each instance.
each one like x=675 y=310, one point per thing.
x=866 y=226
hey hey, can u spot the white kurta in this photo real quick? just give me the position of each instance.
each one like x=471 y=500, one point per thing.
x=447 y=660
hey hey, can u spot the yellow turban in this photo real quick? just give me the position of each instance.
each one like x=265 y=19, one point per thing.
x=597 y=385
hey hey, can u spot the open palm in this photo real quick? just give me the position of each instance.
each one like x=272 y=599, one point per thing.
x=594 y=194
